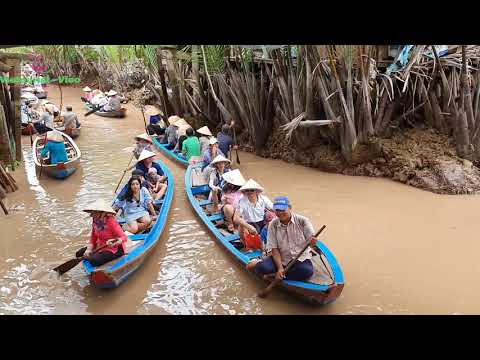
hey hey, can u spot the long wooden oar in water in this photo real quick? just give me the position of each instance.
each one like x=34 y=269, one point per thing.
x=235 y=142
x=70 y=264
x=266 y=291
x=95 y=109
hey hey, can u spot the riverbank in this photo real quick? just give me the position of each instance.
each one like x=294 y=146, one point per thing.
x=422 y=158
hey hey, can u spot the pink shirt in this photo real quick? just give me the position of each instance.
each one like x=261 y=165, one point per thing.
x=88 y=95
x=232 y=198
x=111 y=230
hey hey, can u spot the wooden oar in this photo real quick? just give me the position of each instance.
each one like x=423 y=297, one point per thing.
x=95 y=109
x=274 y=283
x=40 y=155
x=235 y=142
x=144 y=120
x=124 y=172
x=70 y=264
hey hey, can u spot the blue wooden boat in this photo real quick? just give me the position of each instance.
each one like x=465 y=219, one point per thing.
x=168 y=151
x=60 y=170
x=114 y=273
x=322 y=288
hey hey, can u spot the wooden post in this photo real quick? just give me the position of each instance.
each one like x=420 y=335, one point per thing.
x=17 y=116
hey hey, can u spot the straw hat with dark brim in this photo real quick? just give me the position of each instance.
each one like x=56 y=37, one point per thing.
x=86 y=89
x=219 y=159
x=54 y=136
x=234 y=177
x=252 y=185
x=205 y=131
x=146 y=154
x=99 y=205
x=143 y=136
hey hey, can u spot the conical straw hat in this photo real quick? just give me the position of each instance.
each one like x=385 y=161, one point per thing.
x=54 y=136
x=181 y=122
x=143 y=136
x=234 y=177
x=220 y=158
x=205 y=131
x=213 y=140
x=28 y=89
x=99 y=205
x=152 y=111
x=173 y=119
x=86 y=89
x=251 y=185
x=145 y=154
x=111 y=93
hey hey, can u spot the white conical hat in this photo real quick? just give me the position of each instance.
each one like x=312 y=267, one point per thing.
x=111 y=93
x=86 y=89
x=54 y=136
x=173 y=119
x=181 y=122
x=145 y=154
x=152 y=111
x=234 y=177
x=251 y=185
x=220 y=158
x=143 y=136
x=99 y=205
x=28 y=89
x=213 y=140
x=204 y=131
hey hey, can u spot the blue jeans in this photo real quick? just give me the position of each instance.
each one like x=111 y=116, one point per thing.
x=302 y=270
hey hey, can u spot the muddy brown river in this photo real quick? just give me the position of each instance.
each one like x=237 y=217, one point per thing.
x=402 y=250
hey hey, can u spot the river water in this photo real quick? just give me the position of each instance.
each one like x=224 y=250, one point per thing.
x=402 y=250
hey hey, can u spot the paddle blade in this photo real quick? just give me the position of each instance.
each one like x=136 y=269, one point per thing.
x=91 y=111
x=70 y=264
x=238 y=159
x=264 y=293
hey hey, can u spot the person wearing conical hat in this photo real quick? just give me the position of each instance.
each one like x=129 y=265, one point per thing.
x=88 y=94
x=107 y=240
x=45 y=122
x=204 y=138
x=256 y=208
x=55 y=148
x=114 y=103
x=211 y=153
x=182 y=126
x=143 y=142
x=220 y=165
x=146 y=161
x=170 y=136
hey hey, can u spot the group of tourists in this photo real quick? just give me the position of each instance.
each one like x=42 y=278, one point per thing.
x=109 y=101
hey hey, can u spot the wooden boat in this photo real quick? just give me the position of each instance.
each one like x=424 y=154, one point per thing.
x=73 y=133
x=113 y=114
x=139 y=246
x=320 y=289
x=61 y=170
x=167 y=150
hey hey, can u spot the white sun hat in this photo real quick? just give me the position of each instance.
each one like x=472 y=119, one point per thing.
x=172 y=120
x=152 y=111
x=220 y=158
x=234 y=177
x=143 y=136
x=146 y=154
x=213 y=140
x=86 y=89
x=181 y=122
x=111 y=93
x=205 y=131
x=252 y=185
x=99 y=205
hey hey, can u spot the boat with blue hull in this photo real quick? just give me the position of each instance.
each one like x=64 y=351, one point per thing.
x=139 y=246
x=168 y=151
x=323 y=287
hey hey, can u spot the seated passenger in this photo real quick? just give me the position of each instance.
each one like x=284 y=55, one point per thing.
x=113 y=102
x=287 y=236
x=170 y=136
x=254 y=206
x=141 y=175
x=70 y=120
x=157 y=188
x=143 y=143
x=55 y=147
x=107 y=241
x=191 y=146
x=88 y=95
x=215 y=179
x=135 y=205
x=211 y=153
x=182 y=127
x=45 y=122
x=146 y=161
x=156 y=124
